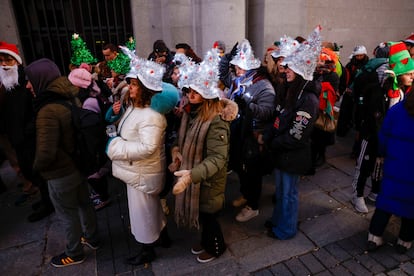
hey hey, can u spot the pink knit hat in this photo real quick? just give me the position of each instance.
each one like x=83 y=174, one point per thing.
x=80 y=77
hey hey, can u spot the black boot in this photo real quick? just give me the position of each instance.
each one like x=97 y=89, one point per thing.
x=164 y=239
x=146 y=255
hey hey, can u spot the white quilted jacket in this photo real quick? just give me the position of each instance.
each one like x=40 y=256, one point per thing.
x=137 y=153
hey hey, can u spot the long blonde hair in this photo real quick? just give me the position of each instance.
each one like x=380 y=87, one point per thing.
x=209 y=108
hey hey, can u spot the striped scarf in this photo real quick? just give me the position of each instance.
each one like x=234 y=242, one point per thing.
x=240 y=84
x=191 y=138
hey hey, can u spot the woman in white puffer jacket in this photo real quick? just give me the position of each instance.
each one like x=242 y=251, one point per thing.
x=138 y=159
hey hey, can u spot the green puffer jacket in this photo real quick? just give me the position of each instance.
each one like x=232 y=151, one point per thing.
x=212 y=171
x=54 y=131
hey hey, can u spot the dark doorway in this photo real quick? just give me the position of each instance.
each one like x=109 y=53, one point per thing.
x=46 y=26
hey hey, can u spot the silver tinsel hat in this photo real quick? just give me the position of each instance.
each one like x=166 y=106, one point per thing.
x=187 y=68
x=245 y=58
x=287 y=46
x=148 y=72
x=202 y=77
x=303 y=61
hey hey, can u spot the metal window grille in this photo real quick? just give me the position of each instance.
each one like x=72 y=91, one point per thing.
x=46 y=27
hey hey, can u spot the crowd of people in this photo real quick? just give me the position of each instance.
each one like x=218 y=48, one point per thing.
x=177 y=124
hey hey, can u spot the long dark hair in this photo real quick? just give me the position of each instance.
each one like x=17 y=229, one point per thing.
x=144 y=100
x=293 y=90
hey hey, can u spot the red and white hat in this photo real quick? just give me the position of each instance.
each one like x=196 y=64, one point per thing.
x=10 y=49
x=409 y=39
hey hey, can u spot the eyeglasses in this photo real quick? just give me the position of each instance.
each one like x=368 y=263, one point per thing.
x=8 y=61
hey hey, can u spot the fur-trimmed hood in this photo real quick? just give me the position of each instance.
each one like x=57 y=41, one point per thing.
x=230 y=110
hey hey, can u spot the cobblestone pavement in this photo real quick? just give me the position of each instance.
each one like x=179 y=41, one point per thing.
x=330 y=241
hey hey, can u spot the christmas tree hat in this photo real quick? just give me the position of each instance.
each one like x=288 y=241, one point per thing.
x=80 y=53
x=130 y=44
x=121 y=64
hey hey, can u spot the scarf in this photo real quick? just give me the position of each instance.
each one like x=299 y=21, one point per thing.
x=191 y=138
x=240 y=84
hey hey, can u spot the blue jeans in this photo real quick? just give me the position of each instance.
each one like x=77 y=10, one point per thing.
x=285 y=213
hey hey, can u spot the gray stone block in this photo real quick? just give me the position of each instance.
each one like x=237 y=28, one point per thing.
x=338 y=252
x=355 y=267
x=370 y=263
x=326 y=258
x=340 y=270
x=383 y=256
x=396 y=272
x=264 y=272
x=332 y=227
x=296 y=267
x=24 y=259
x=280 y=269
x=350 y=247
x=324 y=273
x=312 y=263
x=316 y=204
x=408 y=268
x=265 y=251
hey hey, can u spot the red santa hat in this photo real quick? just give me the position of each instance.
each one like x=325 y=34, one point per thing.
x=10 y=49
x=409 y=39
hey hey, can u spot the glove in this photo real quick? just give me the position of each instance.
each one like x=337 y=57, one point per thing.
x=378 y=169
x=176 y=155
x=233 y=51
x=183 y=182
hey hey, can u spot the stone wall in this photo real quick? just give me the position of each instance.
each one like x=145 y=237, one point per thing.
x=201 y=22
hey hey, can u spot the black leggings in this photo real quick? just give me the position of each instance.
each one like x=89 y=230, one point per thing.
x=380 y=220
x=365 y=166
x=212 y=239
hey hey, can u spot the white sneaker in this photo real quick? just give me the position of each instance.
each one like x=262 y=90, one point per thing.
x=246 y=214
x=372 y=196
x=359 y=204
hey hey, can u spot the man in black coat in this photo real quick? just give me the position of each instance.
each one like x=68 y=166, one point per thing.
x=17 y=122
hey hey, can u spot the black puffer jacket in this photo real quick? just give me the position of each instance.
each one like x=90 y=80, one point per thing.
x=289 y=137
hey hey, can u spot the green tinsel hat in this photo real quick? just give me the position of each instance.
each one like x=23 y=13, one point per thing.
x=80 y=53
x=130 y=44
x=121 y=64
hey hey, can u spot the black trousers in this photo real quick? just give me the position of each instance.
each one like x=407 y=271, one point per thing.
x=251 y=186
x=380 y=220
x=212 y=239
x=365 y=167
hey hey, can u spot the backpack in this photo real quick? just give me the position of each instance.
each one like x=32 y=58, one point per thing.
x=365 y=79
x=90 y=138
